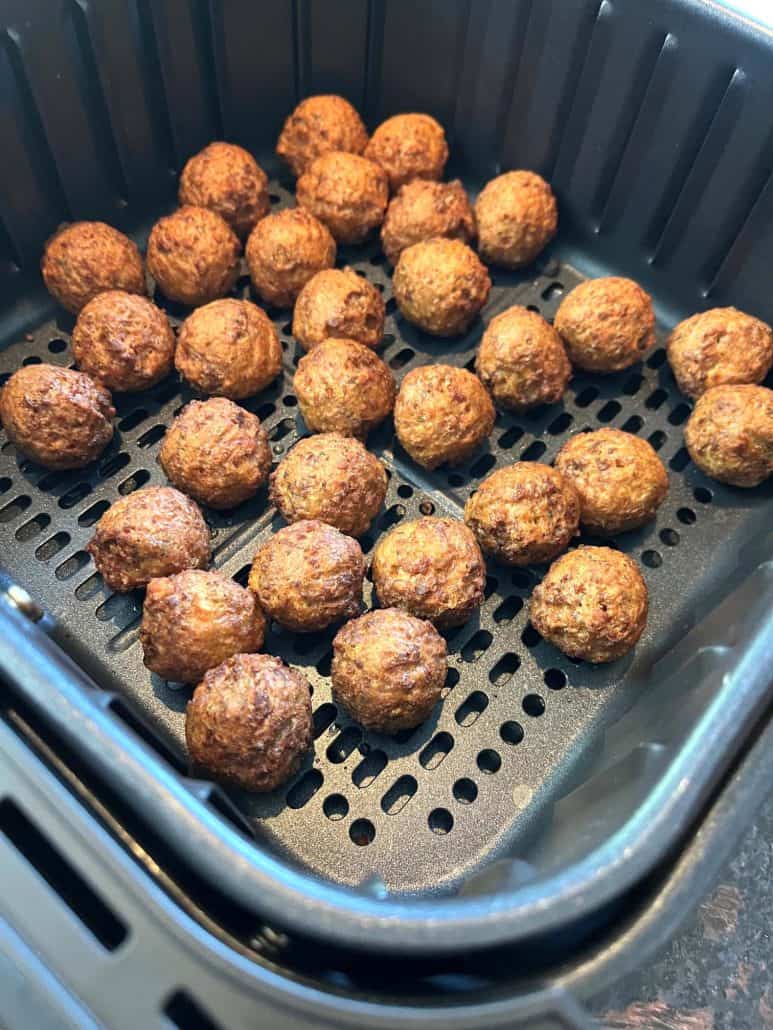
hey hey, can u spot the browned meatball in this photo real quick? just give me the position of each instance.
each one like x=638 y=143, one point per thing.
x=432 y=568
x=228 y=180
x=409 y=146
x=424 y=210
x=389 y=669
x=719 y=346
x=440 y=285
x=152 y=532
x=619 y=477
x=85 y=258
x=343 y=387
x=124 y=341
x=606 y=324
x=308 y=576
x=249 y=722
x=339 y=303
x=217 y=452
x=517 y=217
x=730 y=434
x=442 y=414
x=193 y=255
x=317 y=126
x=524 y=514
x=194 y=620
x=55 y=416
x=331 y=478
x=284 y=251
x=230 y=348
x=346 y=192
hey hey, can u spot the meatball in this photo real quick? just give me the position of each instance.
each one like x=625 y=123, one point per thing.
x=217 y=452
x=730 y=434
x=389 y=669
x=193 y=255
x=432 y=568
x=619 y=477
x=86 y=258
x=124 y=341
x=228 y=180
x=308 y=576
x=338 y=303
x=524 y=514
x=592 y=604
x=152 y=532
x=517 y=217
x=522 y=361
x=55 y=416
x=348 y=193
x=606 y=324
x=720 y=346
x=317 y=126
x=194 y=620
x=331 y=478
x=442 y=414
x=409 y=146
x=249 y=722
x=229 y=348
x=284 y=251
x=424 y=210
x=440 y=285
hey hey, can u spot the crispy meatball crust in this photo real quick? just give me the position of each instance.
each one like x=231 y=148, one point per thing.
x=409 y=146
x=193 y=254
x=730 y=434
x=517 y=217
x=228 y=180
x=388 y=669
x=194 y=620
x=57 y=417
x=440 y=285
x=431 y=567
x=249 y=722
x=346 y=192
x=442 y=414
x=308 y=576
x=331 y=478
x=719 y=346
x=606 y=324
x=424 y=210
x=592 y=604
x=156 y=531
x=284 y=251
x=317 y=126
x=216 y=452
x=524 y=514
x=338 y=302
x=85 y=258
x=229 y=348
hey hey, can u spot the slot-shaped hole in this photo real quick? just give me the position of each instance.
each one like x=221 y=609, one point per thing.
x=610 y=410
x=120 y=609
x=561 y=424
x=51 y=480
x=680 y=460
x=552 y=291
x=74 y=496
x=491 y=585
x=5 y=484
x=679 y=415
x=586 y=396
x=304 y=790
x=52 y=546
x=477 y=645
x=265 y=410
x=436 y=750
x=656 y=398
x=362 y=832
x=15 y=508
x=93 y=514
x=335 y=807
x=505 y=669
x=530 y=636
x=534 y=705
x=455 y=479
x=511 y=436
x=372 y=765
x=534 y=451
x=399 y=794
x=32 y=359
x=33 y=528
x=489 y=760
x=72 y=565
x=440 y=821
x=134 y=482
x=185 y=1013
x=511 y=732
x=465 y=790
x=340 y=749
x=401 y=358
x=282 y=429
x=391 y=306
x=483 y=465
x=153 y=435
x=393 y=515
x=508 y=609
x=657 y=439
x=469 y=710
x=657 y=358
x=632 y=385
x=112 y=465
x=632 y=424
x=133 y=419
x=89 y=587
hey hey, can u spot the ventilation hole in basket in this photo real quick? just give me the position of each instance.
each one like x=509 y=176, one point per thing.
x=93 y=514
x=72 y=565
x=455 y=479
x=52 y=480
x=366 y=543
x=398 y=795
x=469 y=711
x=362 y=832
x=437 y=749
x=89 y=587
x=120 y=609
x=392 y=516
x=74 y=496
x=132 y=420
x=33 y=528
x=134 y=482
x=505 y=669
x=534 y=705
x=489 y=760
x=669 y=537
x=465 y=790
x=609 y=411
x=522 y=578
x=440 y=821
x=391 y=306
x=652 y=559
x=304 y=790
x=287 y=328
x=632 y=384
x=344 y=744
x=657 y=439
x=530 y=636
x=369 y=768
x=281 y=429
x=680 y=460
x=265 y=410
x=404 y=490
x=57 y=345
x=633 y=424
x=555 y=679
x=152 y=436
x=335 y=807
x=513 y=434
x=656 y=359
x=15 y=508
x=508 y=609
x=477 y=645
x=32 y=359
x=679 y=415
x=686 y=516
x=427 y=508
x=290 y=401
x=242 y=576
x=702 y=495
x=490 y=586
x=655 y=399
x=323 y=718
x=5 y=484
x=452 y=678
x=534 y=451
x=511 y=732
x=52 y=546
x=586 y=396
x=401 y=358
x=561 y=424
x=483 y=465
x=115 y=464
x=324 y=664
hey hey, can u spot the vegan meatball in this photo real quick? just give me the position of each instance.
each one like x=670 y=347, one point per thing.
x=440 y=285
x=317 y=126
x=730 y=434
x=193 y=255
x=409 y=146
x=606 y=324
x=228 y=180
x=346 y=192
x=85 y=258
x=388 y=669
x=517 y=217
x=56 y=416
x=423 y=210
x=284 y=251
x=338 y=303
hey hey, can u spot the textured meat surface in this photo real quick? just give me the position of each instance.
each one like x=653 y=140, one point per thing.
x=441 y=285
x=284 y=251
x=408 y=147
x=193 y=255
x=338 y=303
x=517 y=216
x=717 y=347
x=228 y=180
x=347 y=193
x=730 y=434
x=606 y=324
x=423 y=210
x=85 y=258
x=317 y=126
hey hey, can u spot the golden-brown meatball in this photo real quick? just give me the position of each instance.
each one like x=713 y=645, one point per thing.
x=606 y=324
x=194 y=620
x=56 y=416
x=152 y=532
x=730 y=434
x=432 y=568
x=343 y=387
x=229 y=348
x=409 y=146
x=338 y=302
x=85 y=258
x=440 y=285
x=423 y=210
x=524 y=514
x=442 y=414
x=331 y=478
x=619 y=477
x=719 y=346
x=228 y=180
x=193 y=254
x=346 y=192
x=249 y=722
x=317 y=126
x=517 y=217
x=592 y=604
x=284 y=251
x=388 y=669
x=216 y=452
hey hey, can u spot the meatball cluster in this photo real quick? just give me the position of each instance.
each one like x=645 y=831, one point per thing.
x=338 y=303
